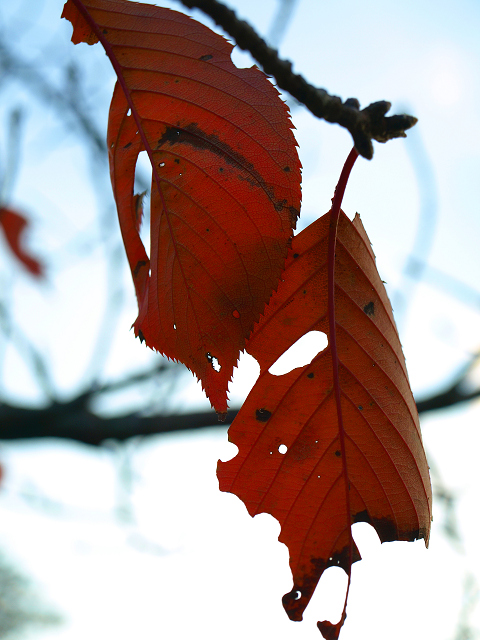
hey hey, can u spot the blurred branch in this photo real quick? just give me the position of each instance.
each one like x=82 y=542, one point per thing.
x=465 y=629
x=74 y=420
x=456 y=393
x=28 y=352
x=68 y=420
x=21 y=607
x=12 y=155
x=451 y=396
x=280 y=22
x=364 y=125
x=417 y=261
x=452 y=286
x=64 y=101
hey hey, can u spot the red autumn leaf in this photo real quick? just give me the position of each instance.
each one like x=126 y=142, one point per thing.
x=14 y=225
x=348 y=419
x=225 y=184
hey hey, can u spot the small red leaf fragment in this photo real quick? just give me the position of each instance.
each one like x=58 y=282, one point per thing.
x=14 y=226
x=331 y=631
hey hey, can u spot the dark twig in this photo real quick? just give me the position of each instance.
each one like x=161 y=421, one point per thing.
x=456 y=393
x=74 y=420
x=364 y=125
x=452 y=396
x=66 y=420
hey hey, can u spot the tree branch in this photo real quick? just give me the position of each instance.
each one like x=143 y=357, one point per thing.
x=456 y=393
x=448 y=398
x=68 y=421
x=74 y=421
x=364 y=125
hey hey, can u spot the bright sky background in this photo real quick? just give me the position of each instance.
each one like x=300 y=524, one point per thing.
x=172 y=557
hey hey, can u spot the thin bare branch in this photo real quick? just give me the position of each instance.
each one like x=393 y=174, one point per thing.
x=364 y=125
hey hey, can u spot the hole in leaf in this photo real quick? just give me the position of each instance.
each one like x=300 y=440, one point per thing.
x=283 y=449
x=129 y=113
x=161 y=164
x=228 y=451
x=213 y=361
x=242 y=59
x=298 y=595
x=143 y=180
x=301 y=353
x=366 y=538
x=329 y=595
x=175 y=327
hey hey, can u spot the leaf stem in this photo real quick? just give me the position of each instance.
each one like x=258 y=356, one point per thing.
x=332 y=240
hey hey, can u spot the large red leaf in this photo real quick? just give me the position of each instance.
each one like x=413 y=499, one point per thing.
x=348 y=419
x=225 y=185
x=14 y=226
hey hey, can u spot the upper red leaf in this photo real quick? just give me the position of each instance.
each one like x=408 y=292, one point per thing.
x=225 y=186
x=14 y=225
x=354 y=448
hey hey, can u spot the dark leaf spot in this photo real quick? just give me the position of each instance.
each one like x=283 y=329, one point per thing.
x=385 y=528
x=310 y=375
x=105 y=31
x=262 y=415
x=138 y=266
x=193 y=136
x=337 y=453
x=177 y=161
x=295 y=255
x=129 y=144
x=369 y=309
x=294 y=213
x=206 y=57
x=141 y=336
x=286 y=169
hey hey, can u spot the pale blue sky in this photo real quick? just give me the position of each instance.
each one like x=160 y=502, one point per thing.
x=209 y=565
